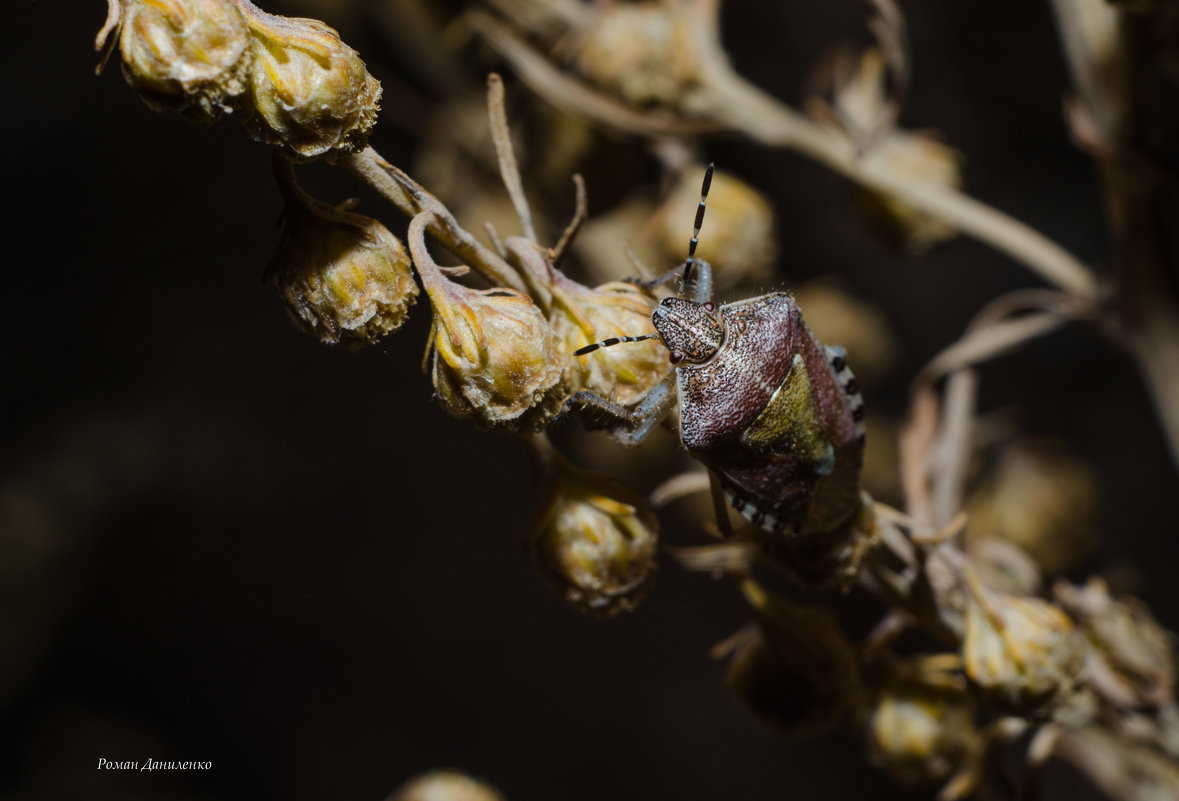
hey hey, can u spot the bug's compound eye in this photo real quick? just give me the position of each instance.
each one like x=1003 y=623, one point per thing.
x=710 y=307
x=676 y=356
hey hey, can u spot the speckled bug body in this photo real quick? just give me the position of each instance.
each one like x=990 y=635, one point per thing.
x=774 y=415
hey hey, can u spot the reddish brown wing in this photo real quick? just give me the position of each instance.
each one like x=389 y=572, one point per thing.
x=769 y=415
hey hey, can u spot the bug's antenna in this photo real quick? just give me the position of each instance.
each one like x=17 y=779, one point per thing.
x=605 y=343
x=691 y=261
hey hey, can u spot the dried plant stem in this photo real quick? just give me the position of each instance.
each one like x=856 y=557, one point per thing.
x=765 y=119
x=1156 y=349
x=509 y=169
x=728 y=101
x=575 y=97
x=409 y=196
x=1110 y=101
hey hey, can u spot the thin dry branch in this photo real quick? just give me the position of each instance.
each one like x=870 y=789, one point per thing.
x=726 y=101
x=576 y=98
x=509 y=168
x=411 y=198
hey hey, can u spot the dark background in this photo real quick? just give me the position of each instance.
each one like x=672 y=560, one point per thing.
x=222 y=541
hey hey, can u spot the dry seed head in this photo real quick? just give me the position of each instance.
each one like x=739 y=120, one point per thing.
x=1003 y=566
x=187 y=56
x=793 y=668
x=740 y=244
x=445 y=785
x=311 y=92
x=1021 y=652
x=582 y=316
x=495 y=356
x=925 y=161
x=640 y=52
x=1130 y=658
x=1041 y=500
x=595 y=541
x=921 y=723
x=861 y=106
x=344 y=276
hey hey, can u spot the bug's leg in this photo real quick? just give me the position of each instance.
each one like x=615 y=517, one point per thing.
x=659 y=280
x=702 y=282
x=629 y=426
x=719 y=507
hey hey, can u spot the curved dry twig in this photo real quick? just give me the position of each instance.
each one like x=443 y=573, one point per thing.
x=411 y=198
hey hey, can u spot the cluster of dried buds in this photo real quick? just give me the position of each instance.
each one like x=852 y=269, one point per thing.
x=1074 y=670
x=505 y=356
x=291 y=81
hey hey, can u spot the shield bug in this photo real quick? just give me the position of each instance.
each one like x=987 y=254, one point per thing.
x=775 y=416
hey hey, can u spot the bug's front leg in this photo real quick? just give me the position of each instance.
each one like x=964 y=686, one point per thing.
x=629 y=426
x=701 y=281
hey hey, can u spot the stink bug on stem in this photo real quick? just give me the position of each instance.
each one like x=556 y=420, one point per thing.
x=775 y=416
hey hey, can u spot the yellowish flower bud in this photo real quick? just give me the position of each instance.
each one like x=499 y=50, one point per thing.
x=921 y=723
x=312 y=93
x=1022 y=652
x=188 y=56
x=1131 y=658
x=344 y=276
x=1040 y=499
x=640 y=52
x=625 y=373
x=595 y=541
x=445 y=785
x=495 y=356
x=739 y=240
x=793 y=668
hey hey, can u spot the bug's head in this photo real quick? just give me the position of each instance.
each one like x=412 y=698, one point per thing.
x=689 y=329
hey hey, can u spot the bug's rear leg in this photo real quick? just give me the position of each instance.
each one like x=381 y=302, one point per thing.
x=629 y=426
x=720 y=508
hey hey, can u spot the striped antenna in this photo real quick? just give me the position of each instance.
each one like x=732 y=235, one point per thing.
x=699 y=222
x=605 y=343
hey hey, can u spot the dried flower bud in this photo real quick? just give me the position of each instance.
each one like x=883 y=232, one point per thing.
x=861 y=108
x=921 y=723
x=595 y=542
x=312 y=93
x=1022 y=652
x=1041 y=500
x=1002 y=566
x=495 y=356
x=793 y=668
x=740 y=242
x=582 y=315
x=445 y=785
x=187 y=56
x=640 y=52
x=344 y=276
x=1131 y=658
